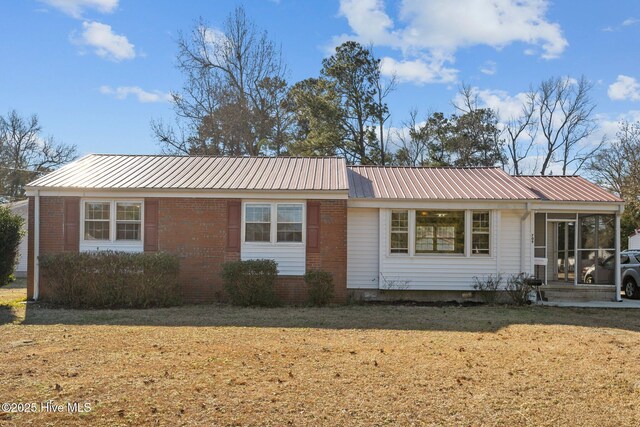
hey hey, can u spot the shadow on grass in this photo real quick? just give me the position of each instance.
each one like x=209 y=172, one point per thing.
x=452 y=318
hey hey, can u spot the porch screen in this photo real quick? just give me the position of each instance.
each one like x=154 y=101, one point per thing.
x=596 y=243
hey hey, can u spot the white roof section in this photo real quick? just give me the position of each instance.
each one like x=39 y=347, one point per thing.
x=105 y=171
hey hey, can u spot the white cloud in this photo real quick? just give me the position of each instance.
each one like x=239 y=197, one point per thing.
x=418 y=71
x=122 y=92
x=624 y=88
x=429 y=31
x=630 y=21
x=76 y=8
x=489 y=68
x=105 y=42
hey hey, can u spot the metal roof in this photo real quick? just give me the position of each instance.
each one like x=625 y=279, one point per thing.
x=367 y=182
x=565 y=189
x=102 y=171
x=106 y=171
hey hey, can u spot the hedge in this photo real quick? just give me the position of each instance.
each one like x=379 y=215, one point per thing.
x=251 y=282
x=110 y=279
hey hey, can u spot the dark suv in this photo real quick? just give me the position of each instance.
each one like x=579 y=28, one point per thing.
x=630 y=264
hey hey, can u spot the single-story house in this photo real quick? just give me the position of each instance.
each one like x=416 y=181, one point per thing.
x=381 y=231
x=21 y=208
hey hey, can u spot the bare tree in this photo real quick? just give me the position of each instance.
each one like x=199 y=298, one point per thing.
x=520 y=131
x=232 y=98
x=566 y=122
x=25 y=155
x=618 y=167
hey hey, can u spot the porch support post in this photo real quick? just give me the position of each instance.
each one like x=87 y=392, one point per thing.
x=617 y=258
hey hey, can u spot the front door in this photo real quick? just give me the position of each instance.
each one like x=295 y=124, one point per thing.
x=565 y=254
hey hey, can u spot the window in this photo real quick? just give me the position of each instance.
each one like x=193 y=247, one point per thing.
x=128 y=221
x=439 y=232
x=109 y=221
x=480 y=232
x=399 y=232
x=258 y=223
x=273 y=222
x=97 y=220
x=289 y=223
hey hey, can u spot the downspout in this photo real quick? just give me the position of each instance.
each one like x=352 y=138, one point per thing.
x=618 y=278
x=524 y=239
x=36 y=246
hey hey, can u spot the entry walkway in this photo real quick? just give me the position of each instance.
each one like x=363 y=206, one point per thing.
x=625 y=303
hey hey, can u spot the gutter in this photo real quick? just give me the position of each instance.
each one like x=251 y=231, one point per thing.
x=36 y=246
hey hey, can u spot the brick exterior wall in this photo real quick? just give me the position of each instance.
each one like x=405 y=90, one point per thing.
x=195 y=229
x=51 y=234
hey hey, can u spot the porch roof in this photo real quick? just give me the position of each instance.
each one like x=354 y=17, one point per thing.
x=565 y=188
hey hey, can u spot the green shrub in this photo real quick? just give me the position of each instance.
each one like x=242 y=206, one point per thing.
x=320 y=285
x=110 y=279
x=11 y=233
x=251 y=283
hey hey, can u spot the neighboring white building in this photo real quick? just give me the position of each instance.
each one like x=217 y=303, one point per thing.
x=634 y=239
x=22 y=208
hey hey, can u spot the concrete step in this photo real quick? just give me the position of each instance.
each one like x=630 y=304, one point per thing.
x=579 y=293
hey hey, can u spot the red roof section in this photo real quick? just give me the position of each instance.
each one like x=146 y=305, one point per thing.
x=376 y=182
x=565 y=189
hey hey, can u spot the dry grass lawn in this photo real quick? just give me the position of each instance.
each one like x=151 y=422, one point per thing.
x=354 y=365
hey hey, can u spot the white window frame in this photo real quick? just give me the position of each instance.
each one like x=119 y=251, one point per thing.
x=273 y=232
x=468 y=227
x=488 y=211
x=112 y=242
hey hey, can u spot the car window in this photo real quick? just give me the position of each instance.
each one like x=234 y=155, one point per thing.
x=608 y=263
x=624 y=259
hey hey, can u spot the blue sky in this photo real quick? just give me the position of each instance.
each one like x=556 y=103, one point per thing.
x=97 y=71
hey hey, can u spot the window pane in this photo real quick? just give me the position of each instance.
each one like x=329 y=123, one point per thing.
x=399 y=243
x=257 y=232
x=128 y=211
x=290 y=213
x=481 y=222
x=290 y=232
x=439 y=231
x=480 y=244
x=96 y=210
x=96 y=230
x=424 y=238
x=127 y=231
x=258 y=213
x=400 y=221
x=606 y=231
x=588 y=232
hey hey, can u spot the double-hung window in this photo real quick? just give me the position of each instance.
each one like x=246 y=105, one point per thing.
x=273 y=222
x=97 y=221
x=112 y=221
x=480 y=232
x=289 y=222
x=399 y=232
x=258 y=223
x=128 y=221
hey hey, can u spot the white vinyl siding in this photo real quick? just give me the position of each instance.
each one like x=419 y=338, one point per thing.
x=510 y=240
x=290 y=256
x=362 y=248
